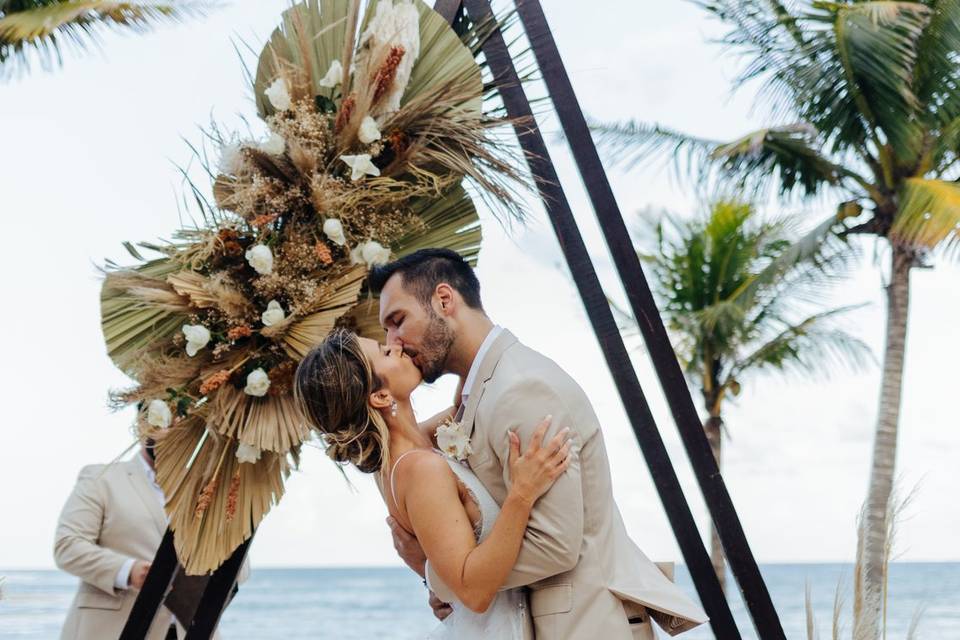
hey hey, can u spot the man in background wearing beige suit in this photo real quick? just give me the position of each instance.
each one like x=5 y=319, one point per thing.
x=587 y=579
x=107 y=535
x=108 y=532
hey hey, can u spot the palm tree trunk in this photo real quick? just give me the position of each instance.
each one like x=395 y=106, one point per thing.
x=877 y=508
x=712 y=428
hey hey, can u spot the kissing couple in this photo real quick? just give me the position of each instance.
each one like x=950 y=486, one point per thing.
x=513 y=527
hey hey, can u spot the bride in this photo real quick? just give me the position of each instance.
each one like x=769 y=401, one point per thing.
x=357 y=393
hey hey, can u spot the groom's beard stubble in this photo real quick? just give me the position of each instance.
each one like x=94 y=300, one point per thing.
x=437 y=342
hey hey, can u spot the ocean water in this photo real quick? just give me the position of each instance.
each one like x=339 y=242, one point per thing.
x=350 y=604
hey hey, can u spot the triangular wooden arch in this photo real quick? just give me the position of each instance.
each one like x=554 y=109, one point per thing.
x=735 y=545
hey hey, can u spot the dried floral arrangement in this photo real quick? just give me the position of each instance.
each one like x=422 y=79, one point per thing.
x=374 y=130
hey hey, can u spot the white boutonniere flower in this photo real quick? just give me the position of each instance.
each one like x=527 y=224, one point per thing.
x=453 y=440
x=197 y=337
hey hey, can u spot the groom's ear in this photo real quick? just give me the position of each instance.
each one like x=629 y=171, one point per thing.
x=444 y=295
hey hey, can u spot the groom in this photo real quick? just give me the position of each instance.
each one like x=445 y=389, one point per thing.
x=587 y=579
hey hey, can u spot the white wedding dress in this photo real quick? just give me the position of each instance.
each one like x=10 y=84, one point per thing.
x=507 y=615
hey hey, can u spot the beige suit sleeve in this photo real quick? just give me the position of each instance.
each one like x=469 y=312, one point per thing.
x=76 y=549
x=551 y=544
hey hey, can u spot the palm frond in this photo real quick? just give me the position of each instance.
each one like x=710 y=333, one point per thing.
x=809 y=346
x=788 y=156
x=627 y=144
x=929 y=215
x=937 y=75
x=823 y=248
x=310 y=37
x=877 y=45
x=44 y=28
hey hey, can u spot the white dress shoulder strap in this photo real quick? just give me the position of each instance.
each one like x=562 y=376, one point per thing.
x=393 y=472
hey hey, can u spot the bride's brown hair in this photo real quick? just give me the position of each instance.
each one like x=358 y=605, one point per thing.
x=332 y=387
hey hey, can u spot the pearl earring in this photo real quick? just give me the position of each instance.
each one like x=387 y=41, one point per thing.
x=393 y=409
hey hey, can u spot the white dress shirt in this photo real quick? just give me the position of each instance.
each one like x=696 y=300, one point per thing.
x=475 y=365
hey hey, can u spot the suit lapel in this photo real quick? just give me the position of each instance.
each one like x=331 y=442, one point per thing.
x=489 y=364
x=141 y=485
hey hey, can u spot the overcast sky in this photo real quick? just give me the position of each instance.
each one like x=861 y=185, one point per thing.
x=90 y=156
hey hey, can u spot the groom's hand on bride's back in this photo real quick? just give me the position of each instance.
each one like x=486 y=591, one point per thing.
x=440 y=608
x=410 y=551
x=408 y=548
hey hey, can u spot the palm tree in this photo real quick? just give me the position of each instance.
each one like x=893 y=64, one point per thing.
x=870 y=94
x=728 y=324
x=43 y=27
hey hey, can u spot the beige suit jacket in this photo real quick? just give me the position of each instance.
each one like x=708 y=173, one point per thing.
x=112 y=514
x=587 y=579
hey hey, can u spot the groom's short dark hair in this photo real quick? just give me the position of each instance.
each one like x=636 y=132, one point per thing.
x=423 y=270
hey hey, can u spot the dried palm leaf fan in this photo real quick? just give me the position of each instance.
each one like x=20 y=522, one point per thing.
x=371 y=141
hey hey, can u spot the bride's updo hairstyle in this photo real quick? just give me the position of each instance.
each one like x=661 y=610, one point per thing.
x=332 y=387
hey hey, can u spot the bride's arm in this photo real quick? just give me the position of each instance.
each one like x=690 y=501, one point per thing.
x=475 y=572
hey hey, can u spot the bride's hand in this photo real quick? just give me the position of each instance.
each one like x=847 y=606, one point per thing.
x=535 y=471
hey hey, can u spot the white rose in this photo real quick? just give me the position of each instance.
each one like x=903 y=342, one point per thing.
x=197 y=337
x=334 y=75
x=375 y=253
x=278 y=95
x=274 y=145
x=248 y=452
x=333 y=229
x=371 y=253
x=231 y=159
x=453 y=440
x=368 y=130
x=258 y=382
x=158 y=414
x=261 y=259
x=273 y=315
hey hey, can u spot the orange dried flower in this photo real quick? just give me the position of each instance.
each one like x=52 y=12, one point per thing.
x=346 y=111
x=323 y=252
x=387 y=72
x=281 y=378
x=232 y=496
x=264 y=220
x=232 y=248
x=206 y=496
x=240 y=331
x=398 y=141
x=214 y=382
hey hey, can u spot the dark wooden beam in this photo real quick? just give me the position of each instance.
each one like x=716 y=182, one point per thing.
x=724 y=515
x=217 y=595
x=601 y=318
x=154 y=589
x=449 y=9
